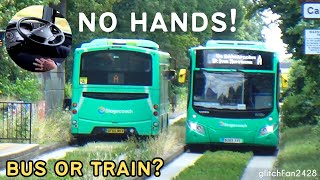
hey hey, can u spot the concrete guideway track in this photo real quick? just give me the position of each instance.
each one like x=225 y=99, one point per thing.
x=259 y=167
x=56 y=154
x=176 y=166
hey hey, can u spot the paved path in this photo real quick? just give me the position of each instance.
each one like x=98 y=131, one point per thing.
x=56 y=154
x=13 y=149
x=259 y=167
x=176 y=166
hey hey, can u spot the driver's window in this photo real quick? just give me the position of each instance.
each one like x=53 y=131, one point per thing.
x=62 y=23
x=31 y=11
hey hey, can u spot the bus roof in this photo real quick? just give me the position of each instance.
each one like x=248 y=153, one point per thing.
x=239 y=44
x=129 y=42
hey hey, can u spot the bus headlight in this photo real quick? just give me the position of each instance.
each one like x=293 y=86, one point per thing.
x=266 y=130
x=196 y=127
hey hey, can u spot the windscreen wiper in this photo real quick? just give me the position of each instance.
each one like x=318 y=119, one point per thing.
x=240 y=70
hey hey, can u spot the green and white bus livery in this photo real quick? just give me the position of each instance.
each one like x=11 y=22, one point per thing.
x=233 y=95
x=120 y=86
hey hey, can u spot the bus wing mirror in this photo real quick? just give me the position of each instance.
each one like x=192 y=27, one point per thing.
x=284 y=81
x=170 y=74
x=182 y=75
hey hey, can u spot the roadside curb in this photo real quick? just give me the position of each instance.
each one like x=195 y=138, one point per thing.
x=167 y=159
x=15 y=155
x=30 y=153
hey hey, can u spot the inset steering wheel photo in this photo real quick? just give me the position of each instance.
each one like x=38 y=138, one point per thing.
x=38 y=38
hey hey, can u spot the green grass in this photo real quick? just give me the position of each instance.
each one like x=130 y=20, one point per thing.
x=217 y=165
x=159 y=146
x=299 y=150
x=92 y=151
x=133 y=149
x=53 y=129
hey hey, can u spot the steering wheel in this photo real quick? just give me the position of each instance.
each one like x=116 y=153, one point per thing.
x=47 y=34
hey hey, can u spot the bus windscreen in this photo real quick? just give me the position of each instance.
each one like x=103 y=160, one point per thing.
x=116 y=67
x=239 y=92
x=234 y=59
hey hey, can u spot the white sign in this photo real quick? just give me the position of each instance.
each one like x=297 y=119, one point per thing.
x=311 y=10
x=312 y=41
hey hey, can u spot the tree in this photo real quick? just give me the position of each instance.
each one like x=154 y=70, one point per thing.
x=304 y=96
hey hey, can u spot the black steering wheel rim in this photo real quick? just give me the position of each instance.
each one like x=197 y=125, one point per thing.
x=48 y=32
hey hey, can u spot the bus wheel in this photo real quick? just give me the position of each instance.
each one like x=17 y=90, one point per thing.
x=78 y=141
x=269 y=151
x=272 y=151
x=195 y=148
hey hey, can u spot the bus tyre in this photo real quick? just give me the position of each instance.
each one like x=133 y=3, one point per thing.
x=81 y=141
x=195 y=147
x=78 y=141
x=270 y=151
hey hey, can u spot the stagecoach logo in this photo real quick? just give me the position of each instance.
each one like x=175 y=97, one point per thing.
x=223 y=124
x=103 y=110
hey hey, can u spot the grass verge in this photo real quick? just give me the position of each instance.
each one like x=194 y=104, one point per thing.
x=132 y=150
x=217 y=165
x=300 y=152
x=159 y=146
x=54 y=129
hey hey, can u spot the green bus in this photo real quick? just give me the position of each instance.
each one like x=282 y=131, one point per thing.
x=233 y=95
x=120 y=87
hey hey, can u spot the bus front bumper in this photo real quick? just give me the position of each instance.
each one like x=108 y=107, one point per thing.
x=200 y=134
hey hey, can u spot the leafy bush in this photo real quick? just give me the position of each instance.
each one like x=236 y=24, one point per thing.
x=68 y=90
x=16 y=82
x=301 y=106
x=26 y=89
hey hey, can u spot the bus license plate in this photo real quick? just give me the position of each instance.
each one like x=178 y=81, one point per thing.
x=232 y=140
x=115 y=131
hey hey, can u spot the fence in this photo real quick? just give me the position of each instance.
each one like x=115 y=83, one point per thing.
x=15 y=121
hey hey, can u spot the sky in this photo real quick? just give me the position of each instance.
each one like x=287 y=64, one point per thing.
x=272 y=34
